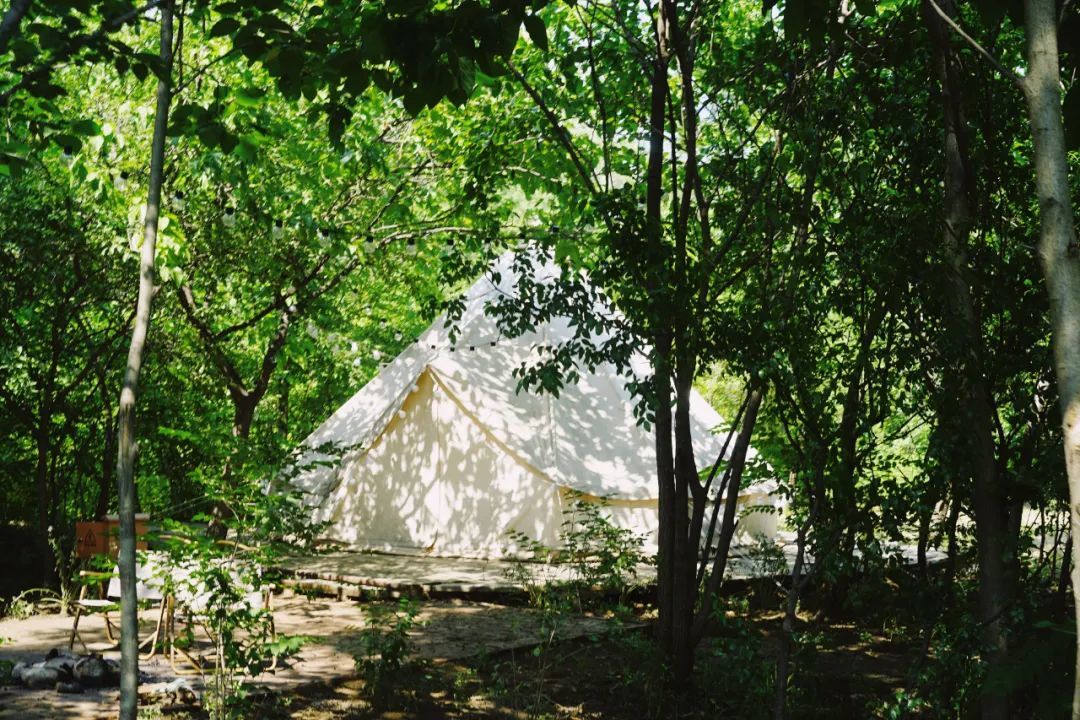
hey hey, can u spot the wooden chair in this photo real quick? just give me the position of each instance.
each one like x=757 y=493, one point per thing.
x=107 y=600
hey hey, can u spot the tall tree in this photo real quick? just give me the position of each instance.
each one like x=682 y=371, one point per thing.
x=1059 y=254
x=126 y=444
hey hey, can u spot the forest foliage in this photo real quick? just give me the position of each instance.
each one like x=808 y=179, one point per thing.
x=780 y=228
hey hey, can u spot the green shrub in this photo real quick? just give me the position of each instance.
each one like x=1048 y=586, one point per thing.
x=386 y=653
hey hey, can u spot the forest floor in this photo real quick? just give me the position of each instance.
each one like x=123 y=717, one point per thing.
x=445 y=631
x=480 y=660
x=606 y=677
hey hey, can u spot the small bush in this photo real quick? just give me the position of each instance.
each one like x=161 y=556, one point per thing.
x=386 y=651
x=603 y=558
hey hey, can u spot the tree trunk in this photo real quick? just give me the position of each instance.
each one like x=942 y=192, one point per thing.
x=1063 y=576
x=727 y=527
x=988 y=501
x=243 y=416
x=1058 y=252
x=108 y=470
x=662 y=339
x=125 y=466
x=41 y=486
x=686 y=546
x=666 y=511
x=791 y=607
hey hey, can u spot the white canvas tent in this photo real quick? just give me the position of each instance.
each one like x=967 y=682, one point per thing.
x=442 y=455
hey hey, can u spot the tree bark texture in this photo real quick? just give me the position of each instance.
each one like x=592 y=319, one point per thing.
x=126 y=453
x=1057 y=249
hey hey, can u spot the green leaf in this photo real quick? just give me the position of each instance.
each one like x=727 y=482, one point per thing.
x=249 y=96
x=88 y=128
x=534 y=25
x=225 y=26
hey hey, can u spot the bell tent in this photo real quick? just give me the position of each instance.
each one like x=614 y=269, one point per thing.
x=440 y=453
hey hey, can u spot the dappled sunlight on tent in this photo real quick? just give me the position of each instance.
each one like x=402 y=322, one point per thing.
x=441 y=454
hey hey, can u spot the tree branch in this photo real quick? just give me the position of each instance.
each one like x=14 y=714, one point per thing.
x=987 y=55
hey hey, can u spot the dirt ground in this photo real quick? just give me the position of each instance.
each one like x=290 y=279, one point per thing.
x=447 y=631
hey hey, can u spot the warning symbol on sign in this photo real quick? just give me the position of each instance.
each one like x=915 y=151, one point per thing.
x=91 y=538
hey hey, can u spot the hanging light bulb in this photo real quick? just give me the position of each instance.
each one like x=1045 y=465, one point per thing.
x=554 y=230
x=354 y=347
x=369 y=244
x=357 y=362
x=68 y=155
x=449 y=244
x=377 y=354
x=410 y=246
x=397 y=336
x=120 y=182
x=278 y=229
x=178 y=203
x=324 y=237
x=228 y=219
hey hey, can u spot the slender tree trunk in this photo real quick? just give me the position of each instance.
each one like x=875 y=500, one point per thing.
x=791 y=607
x=125 y=466
x=665 y=455
x=686 y=546
x=727 y=527
x=1063 y=576
x=925 y=516
x=41 y=486
x=666 y=511
x=951 y=544
x=108 y=470
x=988 y=501
x=243 y=416
x=1058 y=252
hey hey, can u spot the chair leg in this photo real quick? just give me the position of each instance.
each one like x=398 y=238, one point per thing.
x=75 y=629
x=152 y=641
x=109 y=628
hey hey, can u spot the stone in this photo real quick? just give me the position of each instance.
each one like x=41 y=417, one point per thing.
x=94 y=671
x=69 y=688
x=17 y=671
x=40 y=677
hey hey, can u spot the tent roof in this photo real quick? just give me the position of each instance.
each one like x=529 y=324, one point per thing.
x=586 y=439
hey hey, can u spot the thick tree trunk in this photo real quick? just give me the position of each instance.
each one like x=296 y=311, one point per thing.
x=125 y=466
x=988 y=500
x=1058 y=252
